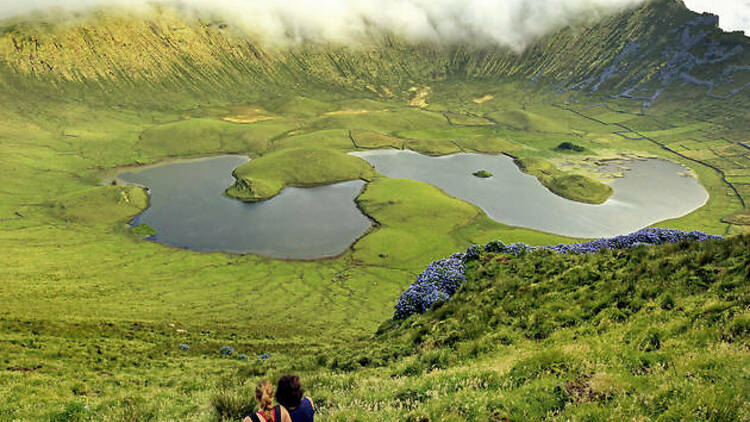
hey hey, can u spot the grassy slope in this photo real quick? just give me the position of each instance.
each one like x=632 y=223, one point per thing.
x=654 y=333
x=84 y=297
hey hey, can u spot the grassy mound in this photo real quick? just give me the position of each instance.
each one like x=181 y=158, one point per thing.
x=575 y=187
x=265 y=177
x=101 y=205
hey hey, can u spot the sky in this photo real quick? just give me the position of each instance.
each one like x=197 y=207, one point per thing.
x=733 y=14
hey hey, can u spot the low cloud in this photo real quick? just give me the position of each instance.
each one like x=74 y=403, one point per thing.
x=508 y=23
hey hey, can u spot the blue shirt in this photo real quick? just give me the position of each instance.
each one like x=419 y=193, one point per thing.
x=304 y=412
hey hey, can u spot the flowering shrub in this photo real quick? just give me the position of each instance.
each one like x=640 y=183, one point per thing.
x=442 y=278
x=184 y=347
x=418 y=298
x=517 y=249
x=472 y=253
x=494 y=247
x=226 y=350
x=263 y=357
x=650 y=236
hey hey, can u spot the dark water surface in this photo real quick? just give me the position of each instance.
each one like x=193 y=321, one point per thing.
x=652 y=191
x=189 y=210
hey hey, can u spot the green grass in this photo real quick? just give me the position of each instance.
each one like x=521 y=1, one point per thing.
x=490 y=140
x=411 y=214
x=210 y=136
x=92 y=314
x=92 y=303
x=265 y=177
x=374 y=140
x=529 y=122
x=575 y=187
x=615 y=335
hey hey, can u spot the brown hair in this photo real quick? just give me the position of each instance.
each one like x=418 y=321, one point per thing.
x=289 y=391
x=264 y=396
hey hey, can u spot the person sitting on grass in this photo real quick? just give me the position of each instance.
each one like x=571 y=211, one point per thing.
x=289 y=394
x=267 y=412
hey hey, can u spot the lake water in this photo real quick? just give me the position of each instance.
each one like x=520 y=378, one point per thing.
x=188 y=209
x=651 y=191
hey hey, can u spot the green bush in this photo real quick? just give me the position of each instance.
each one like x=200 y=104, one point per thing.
x=233 y=404
x=74 y=411
x=546 y=363
x=569 y=146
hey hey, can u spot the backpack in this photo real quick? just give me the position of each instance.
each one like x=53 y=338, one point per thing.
x=275 y=415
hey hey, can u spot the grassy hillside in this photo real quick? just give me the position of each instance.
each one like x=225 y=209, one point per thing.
x=93 y=315
x=653 y=333
x=116 y=51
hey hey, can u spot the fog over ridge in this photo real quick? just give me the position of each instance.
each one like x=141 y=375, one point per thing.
x=507 y=23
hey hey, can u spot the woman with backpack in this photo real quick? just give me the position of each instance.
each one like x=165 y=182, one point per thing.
x=267 y=412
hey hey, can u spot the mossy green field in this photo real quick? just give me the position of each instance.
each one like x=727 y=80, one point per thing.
x=92 y=314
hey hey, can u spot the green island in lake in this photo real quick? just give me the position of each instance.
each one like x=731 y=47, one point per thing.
x=482 y=174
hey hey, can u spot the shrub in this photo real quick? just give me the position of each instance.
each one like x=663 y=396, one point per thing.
x=233 y=405
x=650 y=342
x=136 y=409
x=434 y=285
x=569 y=146
x=73 y=412
x=496 y=246
x=667 y=302
x=738 y=329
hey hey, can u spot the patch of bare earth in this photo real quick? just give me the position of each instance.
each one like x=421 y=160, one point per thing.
x=420 y=96
x=347 y=112
x=245 y=115
x=482 y=100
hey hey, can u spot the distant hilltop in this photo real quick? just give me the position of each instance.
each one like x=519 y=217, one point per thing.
x=636 y=53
